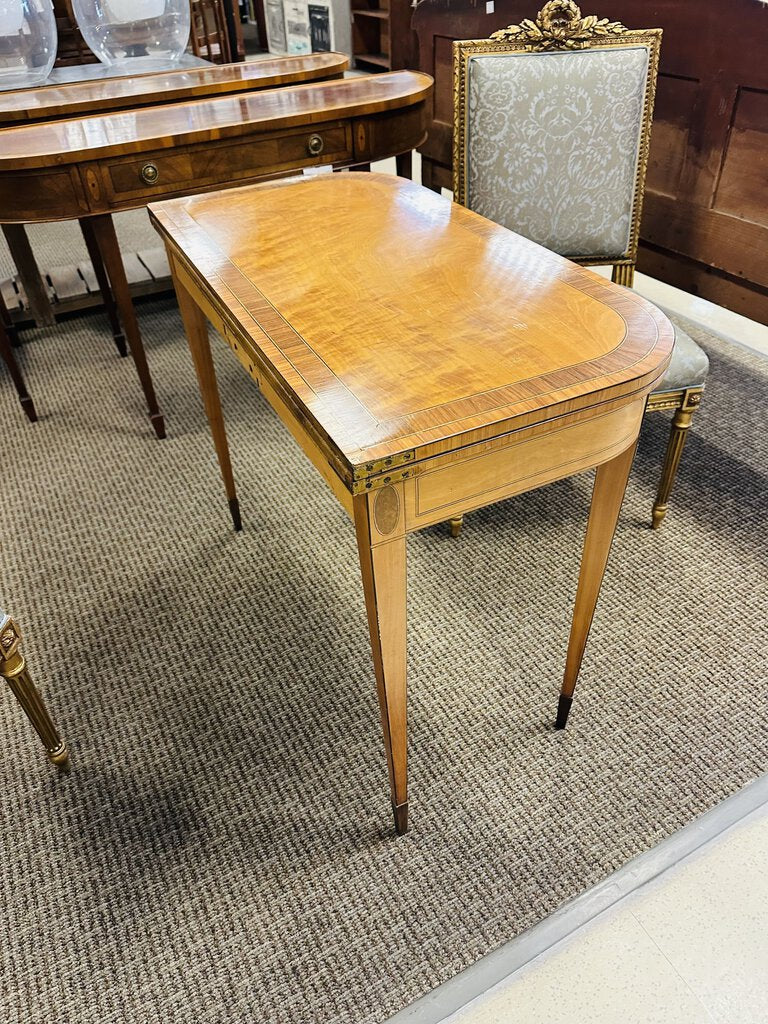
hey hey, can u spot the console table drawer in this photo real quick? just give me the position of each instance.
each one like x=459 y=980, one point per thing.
x=153 y=173
x=227 y=161
x=328 y=143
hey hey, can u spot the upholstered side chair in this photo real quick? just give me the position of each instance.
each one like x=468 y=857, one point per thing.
x=552 y=122
x=13 y=668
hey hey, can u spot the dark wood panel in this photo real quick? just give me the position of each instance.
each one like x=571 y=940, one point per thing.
x=743 y=188
x=675 y=101
x=681 y=227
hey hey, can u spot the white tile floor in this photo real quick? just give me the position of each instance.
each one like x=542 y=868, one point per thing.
x=690 y=946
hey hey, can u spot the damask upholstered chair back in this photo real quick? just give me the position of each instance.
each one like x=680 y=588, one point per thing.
x=552 y=123
x=552 y=128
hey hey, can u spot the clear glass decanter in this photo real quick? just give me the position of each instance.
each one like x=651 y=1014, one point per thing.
x=28 y=41
x=140 y=35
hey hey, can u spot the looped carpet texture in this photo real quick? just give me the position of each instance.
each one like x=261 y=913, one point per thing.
x=222 y=848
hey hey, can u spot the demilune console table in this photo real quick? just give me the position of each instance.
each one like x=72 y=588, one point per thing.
x=91 y=167
x=427 y=361
x=88 y=89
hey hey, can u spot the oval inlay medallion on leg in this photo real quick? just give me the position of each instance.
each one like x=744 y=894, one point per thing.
x=386 y=510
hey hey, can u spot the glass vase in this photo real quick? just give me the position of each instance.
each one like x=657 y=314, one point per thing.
x=28 y=41
x=138 y=35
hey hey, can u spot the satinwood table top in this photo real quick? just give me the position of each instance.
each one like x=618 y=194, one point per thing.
x=399 y=325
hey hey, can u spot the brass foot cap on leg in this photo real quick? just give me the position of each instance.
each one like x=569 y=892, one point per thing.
x=234 y=511
x=563 y=710
x=400 y=812
x=158 y=423
x=456 y=525
x=59 y=756
x=657 y=517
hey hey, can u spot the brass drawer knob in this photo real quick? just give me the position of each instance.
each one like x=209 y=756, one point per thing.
x=315 y=145
x=149 y=173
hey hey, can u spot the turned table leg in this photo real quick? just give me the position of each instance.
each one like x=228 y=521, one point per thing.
x=383 y=567
x=106 y=240
x=196 y=330
x=103 y=281
x=8 y=357
x=14 y=670
x=29 y=274
x=607 y=495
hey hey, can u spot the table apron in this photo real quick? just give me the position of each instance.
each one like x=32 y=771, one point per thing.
x=522 y=464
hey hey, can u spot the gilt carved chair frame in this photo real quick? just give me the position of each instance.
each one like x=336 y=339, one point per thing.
x=560 y=27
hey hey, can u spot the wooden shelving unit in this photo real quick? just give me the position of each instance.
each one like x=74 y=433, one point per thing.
x=382 y=38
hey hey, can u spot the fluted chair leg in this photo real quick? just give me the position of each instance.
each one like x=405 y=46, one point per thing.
x=623 y=274
x=681 y=424
x=14 y=670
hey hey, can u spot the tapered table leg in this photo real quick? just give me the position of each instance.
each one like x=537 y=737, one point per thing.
x=196 y=330
x=607 y=495
x=6 y=352
x=6 y=321
x=29 y=273
x=383 y=567
x=14 y=670
x=106 y=240
x=103 y=281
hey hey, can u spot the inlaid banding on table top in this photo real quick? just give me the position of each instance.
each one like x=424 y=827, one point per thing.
x=337 y=361
x=163 y=127
x=153 y=87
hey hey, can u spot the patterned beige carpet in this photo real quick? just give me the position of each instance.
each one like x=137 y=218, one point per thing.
x=222 y=849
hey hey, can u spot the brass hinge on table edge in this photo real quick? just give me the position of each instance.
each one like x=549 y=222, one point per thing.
x=380 y=472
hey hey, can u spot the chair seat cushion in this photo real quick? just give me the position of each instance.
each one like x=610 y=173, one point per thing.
x=689 y=365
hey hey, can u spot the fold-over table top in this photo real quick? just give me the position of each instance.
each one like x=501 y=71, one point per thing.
x=46 y=102
x=399 y=324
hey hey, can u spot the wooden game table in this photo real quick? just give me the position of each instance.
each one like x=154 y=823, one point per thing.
x=428 y=362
